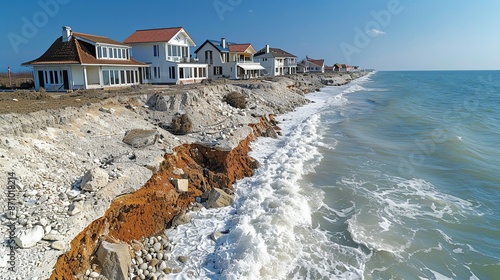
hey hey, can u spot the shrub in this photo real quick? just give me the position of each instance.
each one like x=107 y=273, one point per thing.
x=236 y=100
x=181 y=124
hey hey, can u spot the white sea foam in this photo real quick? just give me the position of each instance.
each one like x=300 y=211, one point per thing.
x=271 y=235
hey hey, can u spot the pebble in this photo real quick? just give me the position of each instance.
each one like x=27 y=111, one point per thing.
x=58 y=245
x=94 y=274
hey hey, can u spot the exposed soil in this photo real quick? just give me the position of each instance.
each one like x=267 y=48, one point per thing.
x=149 y=210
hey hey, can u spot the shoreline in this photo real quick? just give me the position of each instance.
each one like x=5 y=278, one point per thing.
x=219 y=128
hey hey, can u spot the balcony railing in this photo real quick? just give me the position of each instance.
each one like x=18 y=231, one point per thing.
x=181 y=59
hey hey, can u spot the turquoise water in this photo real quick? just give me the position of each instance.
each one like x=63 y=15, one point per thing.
x=412 y=175
x=394 y=176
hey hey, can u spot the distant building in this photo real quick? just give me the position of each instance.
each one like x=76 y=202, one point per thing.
x=83 y=61
x=229 y=60
x=307 y=65
x=167 y=53
x=345 y=68
x=276 y=61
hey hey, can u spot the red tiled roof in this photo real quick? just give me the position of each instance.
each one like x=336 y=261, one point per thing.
x=152 y=35
x=78 y=52
x=319 y=62
x=238 y=47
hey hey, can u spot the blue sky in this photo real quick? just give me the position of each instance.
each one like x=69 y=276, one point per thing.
x=380 y=34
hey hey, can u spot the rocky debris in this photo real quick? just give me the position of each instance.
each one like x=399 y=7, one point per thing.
x=28 y=238
x=107 y=110
x=75 y=208
x=115 y=260
x=58 y=245
x=51 y=149
x=181 y=219
x=139 y=138
x=177 y=171
x=218 y=198
x=181 y=185
x=270 y=132
x=94 y=179
x=153 y=258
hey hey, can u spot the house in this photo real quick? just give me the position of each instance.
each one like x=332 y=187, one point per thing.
x=83 y=61
x=167 y=52
x=345 y=68
x=229 y=60
x=307 y=65
x=329 y=68
x=276 y=61
x=337 y=67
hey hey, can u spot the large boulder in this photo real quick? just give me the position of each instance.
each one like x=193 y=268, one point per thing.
x=219 y=198
x=94 y=179
x=139 y=138
x=115 y=260
x=29 y=238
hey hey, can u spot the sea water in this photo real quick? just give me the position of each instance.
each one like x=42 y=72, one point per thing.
x=394 y=176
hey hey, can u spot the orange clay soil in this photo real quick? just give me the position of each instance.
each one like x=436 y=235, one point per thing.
x=149 y=210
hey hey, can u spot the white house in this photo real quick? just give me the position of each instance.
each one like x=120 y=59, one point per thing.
x=229 y=60
x=84 y=61
x=276 y=61
x=167 y=52
x=311 y=65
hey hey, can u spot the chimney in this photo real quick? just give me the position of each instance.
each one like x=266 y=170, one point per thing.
x=223 y=42
x=66 y=33
x=267 y=48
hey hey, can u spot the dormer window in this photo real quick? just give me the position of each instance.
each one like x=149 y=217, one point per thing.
x=115 y=53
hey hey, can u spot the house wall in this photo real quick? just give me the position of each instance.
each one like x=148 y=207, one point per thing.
x=93 y=75
x=216 y=61
x=77 y=79
x=267 y=61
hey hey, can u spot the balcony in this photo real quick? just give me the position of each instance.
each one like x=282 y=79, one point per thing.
x=181 y=59
x=290 y=63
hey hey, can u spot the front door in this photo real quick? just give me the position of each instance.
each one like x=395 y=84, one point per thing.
x=65 y=79
x=41 y=79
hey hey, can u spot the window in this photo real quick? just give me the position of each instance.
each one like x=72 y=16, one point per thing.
x=112 y=77
x=110 y=53
x=124 y=53
x=208 y=57
x=99 y=52
x=129 y=78
x=119 y=53
x=147 y=73
x=104 y=52
x=181 y=73
x=105 y=77
x=122 y=76
x=217 y=70
x=136 y=76
x=115 y=51
x=156 y=50
x=171 y=72
x=156 y=72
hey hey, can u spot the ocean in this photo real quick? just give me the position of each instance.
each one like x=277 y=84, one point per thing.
x=393 y=176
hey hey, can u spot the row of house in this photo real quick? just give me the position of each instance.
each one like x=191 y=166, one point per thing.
x=155 y=56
